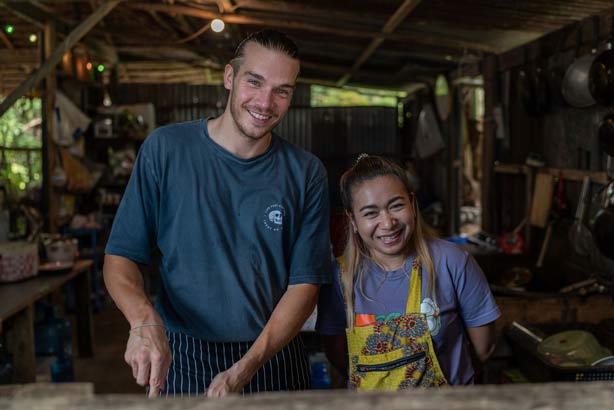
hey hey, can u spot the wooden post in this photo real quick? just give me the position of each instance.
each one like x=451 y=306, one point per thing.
x=20 y=342
x=489 y=73
x=82 y=291
x=49 y=149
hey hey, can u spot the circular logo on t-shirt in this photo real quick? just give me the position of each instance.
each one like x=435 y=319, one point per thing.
x=274 y=217
x=429 y=308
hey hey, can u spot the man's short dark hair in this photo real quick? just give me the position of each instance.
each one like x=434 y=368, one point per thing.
x=269 y=39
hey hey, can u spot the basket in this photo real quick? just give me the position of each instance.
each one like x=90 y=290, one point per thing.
x=538 y=369
x=18 y=261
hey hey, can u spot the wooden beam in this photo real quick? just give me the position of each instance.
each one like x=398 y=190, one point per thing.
x=49 y=151
x=35 y=15
x=12 y=58
x=489 y=71
x=76 y=35
x=310 y=10
x=226 y=6
x=399 y=15
x=409 y=37
x=6 y=41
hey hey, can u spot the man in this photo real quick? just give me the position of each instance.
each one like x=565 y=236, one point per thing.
x=240 y=217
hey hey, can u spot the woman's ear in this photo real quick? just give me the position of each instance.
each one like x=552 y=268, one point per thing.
x=351 y=219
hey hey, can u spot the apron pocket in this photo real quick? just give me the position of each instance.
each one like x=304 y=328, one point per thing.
x=382 y=367
x=389 y=371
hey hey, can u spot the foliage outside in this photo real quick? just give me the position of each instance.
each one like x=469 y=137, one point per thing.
x=20 y=128
x=322 y=96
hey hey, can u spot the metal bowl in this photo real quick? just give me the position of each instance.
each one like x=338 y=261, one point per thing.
x=576 y=83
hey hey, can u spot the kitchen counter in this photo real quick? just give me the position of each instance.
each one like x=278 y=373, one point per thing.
x=552 y=396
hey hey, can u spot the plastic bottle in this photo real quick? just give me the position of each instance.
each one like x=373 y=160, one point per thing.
x=320 y=378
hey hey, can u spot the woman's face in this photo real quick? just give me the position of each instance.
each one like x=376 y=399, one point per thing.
x=383 y=215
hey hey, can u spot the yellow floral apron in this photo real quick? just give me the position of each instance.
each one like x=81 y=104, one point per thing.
x=398 y=353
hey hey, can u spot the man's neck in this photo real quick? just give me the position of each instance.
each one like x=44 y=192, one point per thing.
x=223 y=131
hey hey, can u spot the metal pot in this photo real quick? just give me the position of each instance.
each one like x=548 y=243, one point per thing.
x=601 y=77
x=575 y=88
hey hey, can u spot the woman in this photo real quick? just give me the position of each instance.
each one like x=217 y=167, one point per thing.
x=414 y=305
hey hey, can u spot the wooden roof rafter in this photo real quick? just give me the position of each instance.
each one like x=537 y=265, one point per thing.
x=399 y=15
x=273 y=21
x=55 y=57
x=6 y=40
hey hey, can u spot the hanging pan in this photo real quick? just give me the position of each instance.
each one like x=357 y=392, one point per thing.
x=575 y=88
x=601 y=76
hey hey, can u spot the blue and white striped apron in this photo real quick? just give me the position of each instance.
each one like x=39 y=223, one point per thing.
x=196 y=362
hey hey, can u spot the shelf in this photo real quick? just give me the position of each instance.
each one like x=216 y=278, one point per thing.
x=570 y=174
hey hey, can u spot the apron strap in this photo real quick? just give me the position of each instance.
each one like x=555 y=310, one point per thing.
x=415 y=288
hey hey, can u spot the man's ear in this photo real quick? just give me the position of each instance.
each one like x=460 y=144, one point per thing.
x=229 y=74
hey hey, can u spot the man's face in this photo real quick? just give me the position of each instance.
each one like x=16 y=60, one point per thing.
x=261 y=90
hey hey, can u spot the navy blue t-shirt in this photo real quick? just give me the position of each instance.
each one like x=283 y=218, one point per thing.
x=233 y=233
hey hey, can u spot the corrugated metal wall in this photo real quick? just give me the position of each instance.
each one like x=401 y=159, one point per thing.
x=335 y=132
x=337 y=135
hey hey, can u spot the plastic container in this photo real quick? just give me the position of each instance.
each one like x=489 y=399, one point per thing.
x=320 y=378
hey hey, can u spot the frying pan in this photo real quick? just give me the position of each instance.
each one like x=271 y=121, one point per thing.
x=601 y=78
x=603 y=224
x=575 y=86
x=606 y=134
x=602 y=74
x=603 y=232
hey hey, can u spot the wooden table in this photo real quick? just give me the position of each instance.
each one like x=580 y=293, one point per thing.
x=17 y=315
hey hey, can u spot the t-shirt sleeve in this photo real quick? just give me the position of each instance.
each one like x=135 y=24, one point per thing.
x=477 y=304
x=331 y=318
x=310 y=262
x=133 y=232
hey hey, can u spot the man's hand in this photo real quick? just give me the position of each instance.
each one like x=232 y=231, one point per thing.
x=227 y=382
x=149 y=356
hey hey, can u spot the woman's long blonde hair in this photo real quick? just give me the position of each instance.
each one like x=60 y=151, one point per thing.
x=356 y=254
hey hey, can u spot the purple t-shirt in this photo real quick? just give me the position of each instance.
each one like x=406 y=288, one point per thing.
x=462 y=295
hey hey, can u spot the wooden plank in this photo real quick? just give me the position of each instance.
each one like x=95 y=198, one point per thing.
x=542 y=200
x=564 y=309
x=577 y=175
x=76 y=35
x=47 y=390
x=20 y=343
x=514 y=169
x=569 y=174
x=17 y=296
x=560 y=396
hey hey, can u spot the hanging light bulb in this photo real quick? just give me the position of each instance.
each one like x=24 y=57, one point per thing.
x=217 y=25
x=88 y=65
x=100 y=68
x=32 y=38
x=9 y=29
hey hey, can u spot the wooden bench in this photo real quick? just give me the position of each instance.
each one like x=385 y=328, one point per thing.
x=17 y=315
